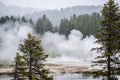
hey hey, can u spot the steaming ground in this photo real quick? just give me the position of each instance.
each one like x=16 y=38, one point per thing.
x=10 y=37
x=73 y=49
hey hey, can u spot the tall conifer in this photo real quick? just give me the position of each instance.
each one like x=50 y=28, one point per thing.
x=108 y=36
x=33 y=56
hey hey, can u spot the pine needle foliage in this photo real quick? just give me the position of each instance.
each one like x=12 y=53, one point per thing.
x=30 y=65
x=109 y=37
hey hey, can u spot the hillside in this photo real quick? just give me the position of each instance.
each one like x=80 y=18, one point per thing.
x=56 y=15
x=15 y=10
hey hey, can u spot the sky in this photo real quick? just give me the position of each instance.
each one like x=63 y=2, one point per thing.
x=53 y=4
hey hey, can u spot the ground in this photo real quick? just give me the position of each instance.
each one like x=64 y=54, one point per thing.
x=66 y=67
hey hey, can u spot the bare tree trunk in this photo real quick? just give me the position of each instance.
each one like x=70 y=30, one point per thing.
x=109 y=59
x=109 y=68
x=30 y=70
x=16 y=71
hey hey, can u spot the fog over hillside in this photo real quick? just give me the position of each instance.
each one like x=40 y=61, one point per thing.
x=57 y=46
x=54 y=15
x=15 y=10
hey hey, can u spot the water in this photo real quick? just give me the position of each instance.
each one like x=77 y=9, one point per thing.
x=76 y=77
x=73 y=77
x=5 y=77
x=61 y=77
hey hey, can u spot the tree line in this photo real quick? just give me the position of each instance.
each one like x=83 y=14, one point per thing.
x=87 y=24
x=13 y=19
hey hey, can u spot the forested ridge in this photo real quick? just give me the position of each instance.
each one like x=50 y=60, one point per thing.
x=86 y=23
x=13 y=19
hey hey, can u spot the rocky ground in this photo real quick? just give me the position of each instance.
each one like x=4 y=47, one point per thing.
x=6 y=71
x=66 y=67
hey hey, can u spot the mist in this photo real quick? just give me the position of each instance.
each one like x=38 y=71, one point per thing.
x=75 y=48
x=11 y=35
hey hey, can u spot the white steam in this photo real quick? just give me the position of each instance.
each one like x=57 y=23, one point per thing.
x=72 y=49
x=10 y=37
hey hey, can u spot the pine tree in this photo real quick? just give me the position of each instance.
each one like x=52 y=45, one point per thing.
x=31 y=22
x=108 y=36
x=33 y=56
x=21 y=71
x=23 y=19
x=87 y=24
x=43 y=25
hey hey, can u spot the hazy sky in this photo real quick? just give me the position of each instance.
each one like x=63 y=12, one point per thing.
x=53 y=4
